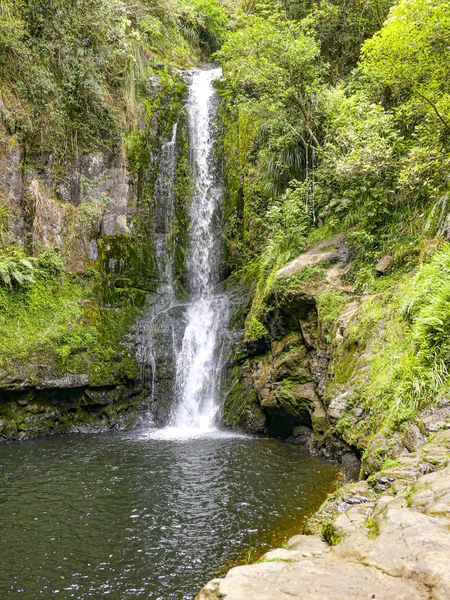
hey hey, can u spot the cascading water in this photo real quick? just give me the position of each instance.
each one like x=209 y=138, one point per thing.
x=193 y=352
x=155 y=331
x=165 y=193
x=197 y=362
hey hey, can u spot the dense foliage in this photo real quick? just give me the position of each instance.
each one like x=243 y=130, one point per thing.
x=71 y=71
x=368 y=151
x=337 y=119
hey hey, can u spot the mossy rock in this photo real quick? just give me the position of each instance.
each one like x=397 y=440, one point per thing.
x=128 y=268
x=242 y=409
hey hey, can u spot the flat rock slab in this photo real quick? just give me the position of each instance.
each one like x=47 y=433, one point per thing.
x=326 y=251
x=315 y=579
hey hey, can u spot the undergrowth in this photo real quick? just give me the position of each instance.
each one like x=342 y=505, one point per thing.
x=401 y=335
x=57 y=323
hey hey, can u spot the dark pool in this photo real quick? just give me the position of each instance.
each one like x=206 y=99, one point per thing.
x=128 y=516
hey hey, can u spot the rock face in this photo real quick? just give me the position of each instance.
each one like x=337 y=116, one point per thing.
x=308 y=366
x=68 y=406
x=96 y=210
x=330 y=250
x=278 y=382
x=279 y=386
x=385 y=537
x=37 y=398
x=390 y=544
x=84 y=212
x=48 y=211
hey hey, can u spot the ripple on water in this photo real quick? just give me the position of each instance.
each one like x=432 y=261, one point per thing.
x=147 y=514
x=189 y=433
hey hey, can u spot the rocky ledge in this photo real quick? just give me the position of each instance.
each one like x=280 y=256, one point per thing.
x=38 y=398
x=69 y=404
x=383 y=538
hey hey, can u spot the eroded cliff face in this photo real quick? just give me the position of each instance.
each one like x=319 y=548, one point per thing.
x=280 y=380
x=95 y=211
x=306 y=378
x=46 y=204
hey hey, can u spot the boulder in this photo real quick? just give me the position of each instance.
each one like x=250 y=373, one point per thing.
x=384 y=264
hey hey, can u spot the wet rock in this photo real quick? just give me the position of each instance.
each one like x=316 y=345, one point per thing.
x=59 y=409
x=328 y=447
x=101 y=396
x=351 y=466
x=291 y=372
x=257 y=347
x=301 y=435
x=290 y=360
x=242 y=408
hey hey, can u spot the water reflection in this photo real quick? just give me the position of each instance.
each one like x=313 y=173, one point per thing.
x=125 y=515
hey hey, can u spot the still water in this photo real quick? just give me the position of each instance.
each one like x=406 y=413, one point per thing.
x=130 y=516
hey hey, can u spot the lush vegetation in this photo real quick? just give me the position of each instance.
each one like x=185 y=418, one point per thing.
x=396 y=354
x=72 y=72
x=84 y=79
x=368 y=151
x=337 y=119
x=55 y=323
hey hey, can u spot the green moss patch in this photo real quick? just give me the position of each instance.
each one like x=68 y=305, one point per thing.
x=56 y=326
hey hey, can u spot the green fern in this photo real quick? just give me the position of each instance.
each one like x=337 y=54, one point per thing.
x=4 y=219
x=17 y=269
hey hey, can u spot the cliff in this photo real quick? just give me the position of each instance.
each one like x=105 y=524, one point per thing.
x=89 y=96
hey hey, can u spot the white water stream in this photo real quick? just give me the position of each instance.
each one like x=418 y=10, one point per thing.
x=197 y=359
x=164 y=254
x=165 y=192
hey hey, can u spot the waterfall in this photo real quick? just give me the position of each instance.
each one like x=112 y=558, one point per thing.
x=155 y=331
x=197 y=361
x=179 y=340
x=165 y=195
